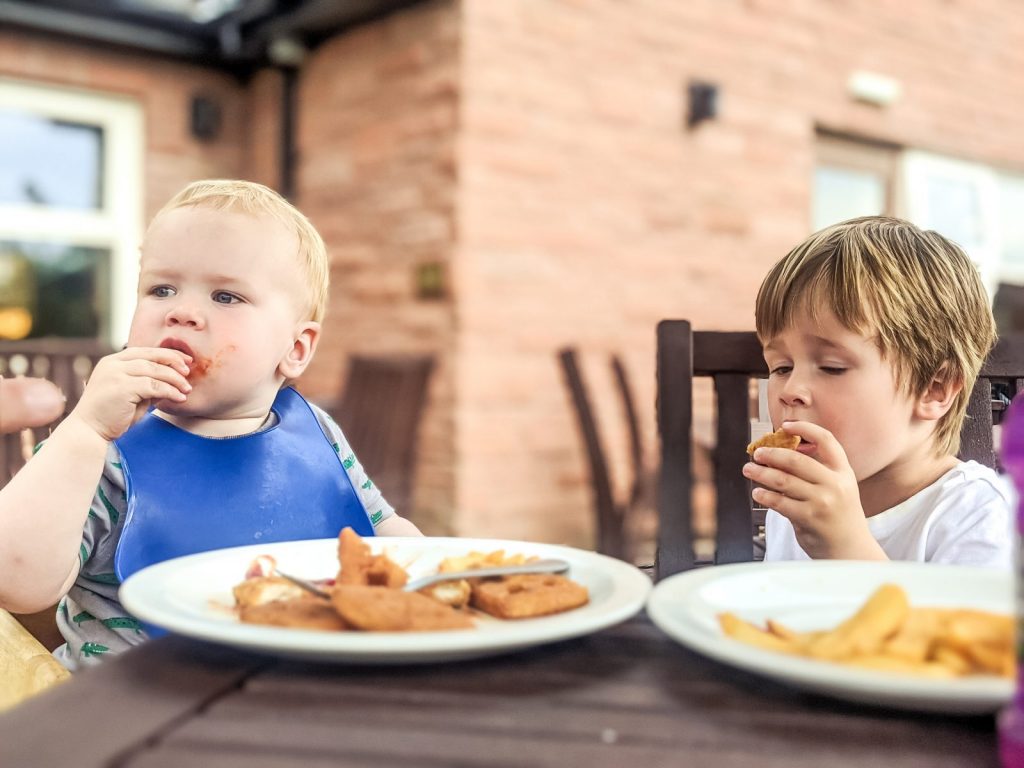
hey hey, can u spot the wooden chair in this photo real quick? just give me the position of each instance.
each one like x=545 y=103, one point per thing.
x=380 y=410
x=65 y=362
x=619 y=532
x=731 y=360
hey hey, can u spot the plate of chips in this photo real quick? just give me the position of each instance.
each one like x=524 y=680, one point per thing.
x=195 y=596
x=905 y=635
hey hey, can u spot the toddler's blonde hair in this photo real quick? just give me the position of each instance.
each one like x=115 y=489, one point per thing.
x=258 y=200
x=914 y=292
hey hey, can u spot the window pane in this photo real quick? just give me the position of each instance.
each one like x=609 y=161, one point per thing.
x=1011 y=204
x=50 y=162
x=954 y=210
x=50 y=289
x=845 y=193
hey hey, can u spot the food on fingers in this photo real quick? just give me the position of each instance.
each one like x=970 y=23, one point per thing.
x=777 y=439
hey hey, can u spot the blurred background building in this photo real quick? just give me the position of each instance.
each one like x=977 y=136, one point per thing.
x=498 y=178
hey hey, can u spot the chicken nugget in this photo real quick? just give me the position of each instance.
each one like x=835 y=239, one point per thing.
x=527 y=595
x=360 y=566
x=260 y=590
x=302 y=613
x=380 y=609
x=776 y=439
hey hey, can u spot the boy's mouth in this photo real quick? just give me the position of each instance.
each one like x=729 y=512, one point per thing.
x=179 y=345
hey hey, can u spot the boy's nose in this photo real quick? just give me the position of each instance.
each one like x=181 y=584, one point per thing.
x=795 y=394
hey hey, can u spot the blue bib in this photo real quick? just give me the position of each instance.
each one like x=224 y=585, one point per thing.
x=187 y=493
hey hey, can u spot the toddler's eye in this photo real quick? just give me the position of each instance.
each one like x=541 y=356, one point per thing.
x=832 y=370
x=780 y=370
x=161 y=291
x=223 y=297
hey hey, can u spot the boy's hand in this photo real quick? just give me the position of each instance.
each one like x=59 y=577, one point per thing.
x=123 y=385
x=817 y=491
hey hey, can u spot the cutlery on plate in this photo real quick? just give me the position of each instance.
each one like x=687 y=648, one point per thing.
x=534 y=566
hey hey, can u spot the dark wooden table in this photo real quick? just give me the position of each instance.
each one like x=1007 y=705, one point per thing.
x=628 y=696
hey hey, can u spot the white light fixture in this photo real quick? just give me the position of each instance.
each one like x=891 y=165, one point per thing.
x=873 y=88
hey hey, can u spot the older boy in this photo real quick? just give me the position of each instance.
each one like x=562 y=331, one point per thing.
x=232 y=289
x=874 y=332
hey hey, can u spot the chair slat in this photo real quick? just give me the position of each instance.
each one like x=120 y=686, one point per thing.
x=733 y=537
x=675 y=425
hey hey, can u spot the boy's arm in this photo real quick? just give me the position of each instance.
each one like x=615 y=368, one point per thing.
x=820 y=497
x=44 y=506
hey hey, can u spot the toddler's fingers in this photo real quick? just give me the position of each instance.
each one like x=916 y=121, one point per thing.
x=170 y=357
x=148 y=369
x=827 y=449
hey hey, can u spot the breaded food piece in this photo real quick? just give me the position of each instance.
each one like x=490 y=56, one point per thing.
x=306 y=612
x=453 y=593
x=360 y=566
x=380 y=609
x=776 y=439
x=527 y=595
x=265 y=589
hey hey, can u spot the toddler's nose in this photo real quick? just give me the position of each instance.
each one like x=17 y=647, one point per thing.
x=184 y=315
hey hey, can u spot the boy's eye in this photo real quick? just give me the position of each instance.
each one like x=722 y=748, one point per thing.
x=161 y=291
x=223 y=297
x=833 y=370
x=780 y=370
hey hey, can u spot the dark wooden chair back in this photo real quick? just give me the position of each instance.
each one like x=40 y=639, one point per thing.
x=616 y=530
x=732 y=360
x=65 y=362
x=380 y=410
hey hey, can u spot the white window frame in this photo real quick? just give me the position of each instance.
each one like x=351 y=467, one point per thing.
x=919 y=169
x=117 y=225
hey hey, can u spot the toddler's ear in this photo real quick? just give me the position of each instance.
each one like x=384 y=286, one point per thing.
x=301 y=352
x=938 y=396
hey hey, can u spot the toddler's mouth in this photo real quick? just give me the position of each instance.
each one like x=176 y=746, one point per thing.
x=179 y=345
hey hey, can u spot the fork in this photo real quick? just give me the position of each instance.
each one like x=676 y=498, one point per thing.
x=551 y=565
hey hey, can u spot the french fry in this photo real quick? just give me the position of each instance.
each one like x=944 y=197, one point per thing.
x=746 y=632
x=884 y=663
x=885 y=634
x=863 y=633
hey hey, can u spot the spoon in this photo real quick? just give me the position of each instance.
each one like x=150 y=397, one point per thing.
x=535 y=566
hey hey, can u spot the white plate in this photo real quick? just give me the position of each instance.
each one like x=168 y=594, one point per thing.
x=192 y=596
x=817 y=595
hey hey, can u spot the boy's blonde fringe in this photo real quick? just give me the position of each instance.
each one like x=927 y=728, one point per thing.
x=915 y=292
x=256 y=199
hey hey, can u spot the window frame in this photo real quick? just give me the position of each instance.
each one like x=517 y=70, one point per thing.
x=117 y=224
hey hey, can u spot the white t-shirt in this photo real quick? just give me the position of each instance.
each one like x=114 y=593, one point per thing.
x=962 y=518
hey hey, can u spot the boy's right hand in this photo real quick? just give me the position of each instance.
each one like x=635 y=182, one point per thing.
x=123 y=385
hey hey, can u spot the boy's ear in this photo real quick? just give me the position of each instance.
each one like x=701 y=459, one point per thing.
x=307 y=335
x=938 y=396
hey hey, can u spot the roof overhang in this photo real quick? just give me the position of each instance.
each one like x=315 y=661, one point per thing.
x=234 y=35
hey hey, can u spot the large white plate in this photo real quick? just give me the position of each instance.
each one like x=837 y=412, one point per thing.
x=192 y=596
x=818 y=595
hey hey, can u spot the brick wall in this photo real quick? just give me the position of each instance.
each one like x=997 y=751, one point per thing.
x=376 y=174
x=587 y=212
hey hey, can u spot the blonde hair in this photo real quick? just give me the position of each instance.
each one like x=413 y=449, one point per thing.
x=256 y=200
x=915 y=292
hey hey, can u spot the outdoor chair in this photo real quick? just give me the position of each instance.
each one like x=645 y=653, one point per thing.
x=619 y=525
x=379 y=411
x=732 y=360
x=65 y=362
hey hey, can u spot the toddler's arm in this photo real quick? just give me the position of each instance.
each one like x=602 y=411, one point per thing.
x=43 y=508
x=820 y=497
x=397 y=526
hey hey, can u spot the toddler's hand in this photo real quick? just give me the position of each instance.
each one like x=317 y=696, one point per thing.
x=817 y=492
x=123 y=385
